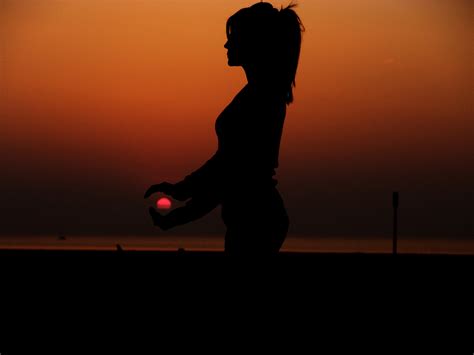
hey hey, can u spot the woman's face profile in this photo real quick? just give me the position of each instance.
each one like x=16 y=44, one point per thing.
x=234 y=49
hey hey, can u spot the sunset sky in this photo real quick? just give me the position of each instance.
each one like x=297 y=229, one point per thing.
x=100 y=99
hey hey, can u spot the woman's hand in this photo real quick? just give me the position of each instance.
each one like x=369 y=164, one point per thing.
x=158 y=219
x=164 y=187
x=174 y=190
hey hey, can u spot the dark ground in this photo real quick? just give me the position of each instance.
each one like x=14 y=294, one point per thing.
x=54 y=295
x=65 y=264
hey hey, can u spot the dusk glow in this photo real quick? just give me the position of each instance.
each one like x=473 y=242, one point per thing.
x=99 y=99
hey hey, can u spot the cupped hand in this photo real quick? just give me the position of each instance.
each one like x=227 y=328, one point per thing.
x=158 y=219
x=164 y=187
x=176 y=191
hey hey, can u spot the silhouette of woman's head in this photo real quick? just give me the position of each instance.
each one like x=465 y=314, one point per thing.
x=266 y=41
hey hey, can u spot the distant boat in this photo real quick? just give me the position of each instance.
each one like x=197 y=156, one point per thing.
x=62 y=237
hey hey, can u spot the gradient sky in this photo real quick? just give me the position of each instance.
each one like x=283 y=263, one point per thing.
x=94 y=96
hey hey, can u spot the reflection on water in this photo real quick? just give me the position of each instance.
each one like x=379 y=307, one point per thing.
x=293 y=243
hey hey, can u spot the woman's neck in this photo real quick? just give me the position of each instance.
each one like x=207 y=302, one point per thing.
x=252 y=74
x=261 y=80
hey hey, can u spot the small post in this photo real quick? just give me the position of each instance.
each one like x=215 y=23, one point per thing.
x=395 y=221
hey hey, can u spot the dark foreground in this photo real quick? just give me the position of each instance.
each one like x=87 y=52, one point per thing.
x=53 y=273
x=162 y=264
x=175 y=292
x=22 y=257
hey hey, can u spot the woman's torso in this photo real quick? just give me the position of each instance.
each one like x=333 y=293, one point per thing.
x=249 y=131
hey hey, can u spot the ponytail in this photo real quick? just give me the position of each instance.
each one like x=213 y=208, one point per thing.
x=291 y=29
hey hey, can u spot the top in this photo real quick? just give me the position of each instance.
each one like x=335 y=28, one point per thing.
x=249 y=132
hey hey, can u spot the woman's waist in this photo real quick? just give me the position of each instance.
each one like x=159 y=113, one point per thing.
x=249 y=174
x=261 y=206
x=237 y=184
x=253 y=190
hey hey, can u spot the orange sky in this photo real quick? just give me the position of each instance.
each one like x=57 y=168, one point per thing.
x=95 y=90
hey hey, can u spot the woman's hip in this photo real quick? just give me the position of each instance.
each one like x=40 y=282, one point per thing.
x=255 y=209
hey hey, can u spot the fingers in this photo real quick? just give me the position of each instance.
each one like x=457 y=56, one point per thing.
x=153 y=213
x=179 y=192
x=163 y=187
x=180 y=197
x=151 y=190
x=155 y=216
x=158 y=219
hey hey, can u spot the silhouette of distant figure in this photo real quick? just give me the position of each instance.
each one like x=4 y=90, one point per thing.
x=266 y=42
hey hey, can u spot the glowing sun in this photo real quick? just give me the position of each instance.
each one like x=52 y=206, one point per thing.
x=163 y=203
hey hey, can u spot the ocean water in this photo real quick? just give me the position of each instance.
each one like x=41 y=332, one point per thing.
x=293 y=243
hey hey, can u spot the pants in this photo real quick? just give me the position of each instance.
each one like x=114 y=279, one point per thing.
x=257 y=223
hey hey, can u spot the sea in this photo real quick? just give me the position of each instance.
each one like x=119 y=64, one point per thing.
x=293 y=243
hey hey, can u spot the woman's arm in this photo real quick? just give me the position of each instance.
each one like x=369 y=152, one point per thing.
x=196 y=208
x=200 y=179
x=203 y=179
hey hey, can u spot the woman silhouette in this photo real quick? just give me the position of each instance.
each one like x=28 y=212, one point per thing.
x=266 y=42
